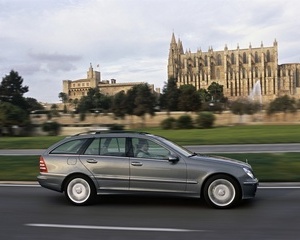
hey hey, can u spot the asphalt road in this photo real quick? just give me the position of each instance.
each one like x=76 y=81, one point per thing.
x=32 y=212
x=241 y=148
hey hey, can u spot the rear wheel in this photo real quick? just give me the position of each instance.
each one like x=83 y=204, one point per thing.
x=79 y=190
x=221 y=191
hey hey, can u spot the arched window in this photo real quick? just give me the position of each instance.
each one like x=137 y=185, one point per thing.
x=218 y=73
x=219 y=60
x=232 y=58
x=244 y=58
x=268 y=56
x=256 y=72
x=212 y=71
x=244 y=73
x=256 y=57
x=205 y=60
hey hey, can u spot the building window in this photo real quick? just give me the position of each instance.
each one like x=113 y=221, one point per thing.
x=213 y=71
x=256 y=57
x=244 y=58
x=232 y=58
x=244 y=73
x=219 y=60
x=268 y=56
x=218 y=73
x=256 y=72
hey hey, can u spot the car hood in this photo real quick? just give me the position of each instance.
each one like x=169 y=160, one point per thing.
x=222 y=159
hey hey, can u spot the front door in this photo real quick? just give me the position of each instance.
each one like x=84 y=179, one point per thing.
x=151 y=170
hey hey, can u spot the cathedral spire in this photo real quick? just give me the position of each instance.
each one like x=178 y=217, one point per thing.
x=173 y=40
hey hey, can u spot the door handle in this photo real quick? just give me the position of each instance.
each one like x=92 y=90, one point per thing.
x=91 y=161
x=137 y=164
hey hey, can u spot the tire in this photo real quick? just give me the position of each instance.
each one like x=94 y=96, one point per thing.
x=222 y=191
x=80 y=190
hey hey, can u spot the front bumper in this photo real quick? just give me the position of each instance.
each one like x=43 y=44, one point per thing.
x=250 y=188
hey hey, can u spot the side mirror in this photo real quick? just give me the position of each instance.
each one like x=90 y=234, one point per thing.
x=173 y=158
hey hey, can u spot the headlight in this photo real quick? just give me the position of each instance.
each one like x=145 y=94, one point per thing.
x=249 y=173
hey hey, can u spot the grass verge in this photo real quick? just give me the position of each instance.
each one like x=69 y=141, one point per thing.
x=268 y=167
x=259 y=134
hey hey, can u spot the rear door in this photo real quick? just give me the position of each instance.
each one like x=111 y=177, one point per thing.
x=106 y=159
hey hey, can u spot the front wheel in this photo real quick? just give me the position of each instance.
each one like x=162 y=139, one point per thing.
x=221 y=191
x=79 y=190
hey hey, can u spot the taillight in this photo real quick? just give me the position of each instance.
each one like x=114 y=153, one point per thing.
x=43 y=167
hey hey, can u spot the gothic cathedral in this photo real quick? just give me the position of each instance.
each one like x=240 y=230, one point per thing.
x=237 y=70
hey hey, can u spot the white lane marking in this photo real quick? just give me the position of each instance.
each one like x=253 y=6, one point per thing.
x=111 y=228
x=18 y=185
x=280 y=187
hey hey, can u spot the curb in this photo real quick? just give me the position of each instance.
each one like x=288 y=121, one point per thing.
x=261 y=184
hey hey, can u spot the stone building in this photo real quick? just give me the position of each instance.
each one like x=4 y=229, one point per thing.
x=79 y=88
x=238 y=70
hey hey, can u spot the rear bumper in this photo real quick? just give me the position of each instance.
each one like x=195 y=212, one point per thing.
x=53 y=182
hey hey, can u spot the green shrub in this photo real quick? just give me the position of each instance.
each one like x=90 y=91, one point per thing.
x=205 y=119
x=52 y=128
x=116 y=127
x=184 y=122
x=82 y=116
x=168 y=123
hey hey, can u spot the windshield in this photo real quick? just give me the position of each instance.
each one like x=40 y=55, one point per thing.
x=176 y=147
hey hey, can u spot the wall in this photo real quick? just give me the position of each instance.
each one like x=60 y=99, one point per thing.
x=73 y=125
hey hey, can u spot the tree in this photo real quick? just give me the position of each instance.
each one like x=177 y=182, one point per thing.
x=90 y=101
x=144 y=101
x=130 y=100
x=75 y=103
x=33 y=104
x=12 y=91
x=189 y=98
x=11 y=115
x=64 y=98
x=204 y=95
x=282 y=104
x=170 y=96
x=215 y=91
x=244 y=106
x=119 y=104
x=94 y=101
x=54 y=111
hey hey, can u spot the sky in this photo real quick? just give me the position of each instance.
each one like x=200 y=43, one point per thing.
x=47 y=41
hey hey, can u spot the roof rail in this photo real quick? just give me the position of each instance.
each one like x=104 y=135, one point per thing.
x=107 y=131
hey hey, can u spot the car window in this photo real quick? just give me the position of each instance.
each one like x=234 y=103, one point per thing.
x=147 y=149
x=110 y=146
x=93 y=148
x=70 y=147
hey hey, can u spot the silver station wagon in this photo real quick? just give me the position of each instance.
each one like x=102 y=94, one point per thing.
x=108 y=162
